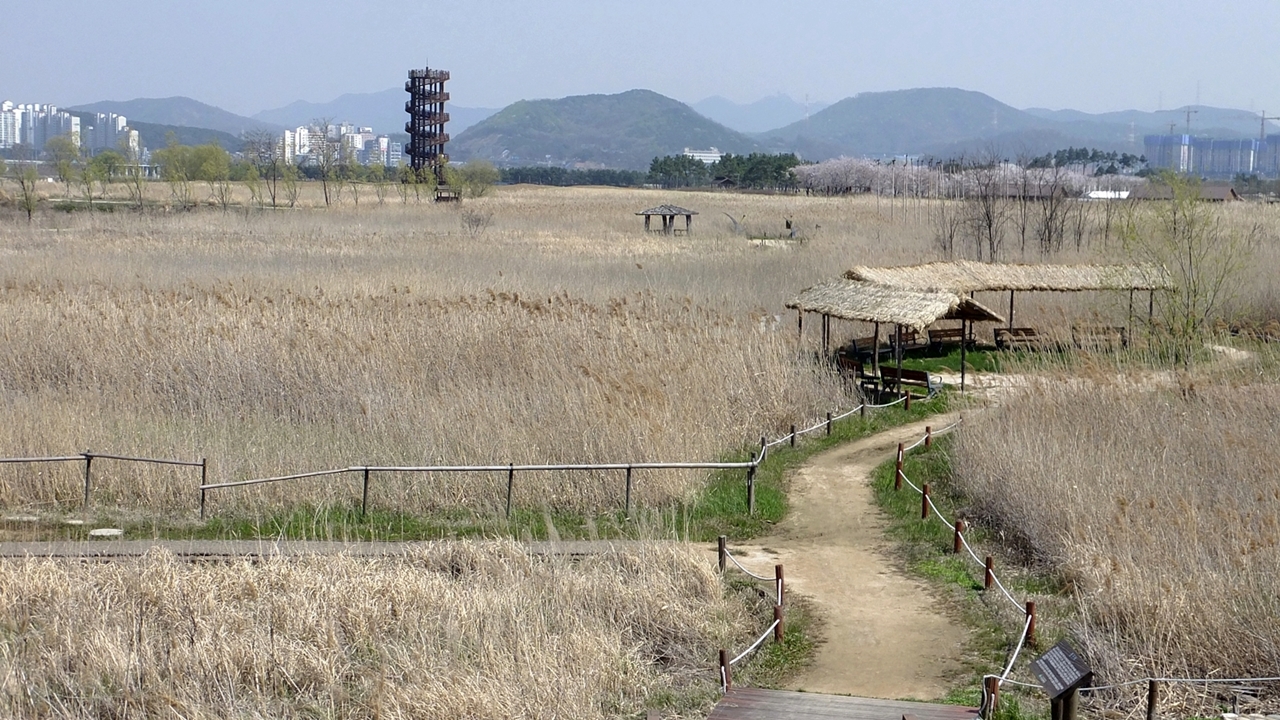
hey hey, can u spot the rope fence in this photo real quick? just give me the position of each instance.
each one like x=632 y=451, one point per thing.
x=88 y=456
x=777 y=629
x=991 y=684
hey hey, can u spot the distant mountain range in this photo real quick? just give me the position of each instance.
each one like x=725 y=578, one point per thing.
x=760 y=116
x=626 y=130
x=156 y=136
x=179 y=112
x=383 y=111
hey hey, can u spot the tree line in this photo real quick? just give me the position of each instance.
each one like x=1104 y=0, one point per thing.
x=757 y=171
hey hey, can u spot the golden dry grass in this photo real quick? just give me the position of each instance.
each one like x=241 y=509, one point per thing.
x=1159 y=509
x=449 y=630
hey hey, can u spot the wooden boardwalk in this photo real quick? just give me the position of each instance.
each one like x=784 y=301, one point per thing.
x=754 y=704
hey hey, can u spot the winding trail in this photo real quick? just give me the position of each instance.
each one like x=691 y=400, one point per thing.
x=884 y=633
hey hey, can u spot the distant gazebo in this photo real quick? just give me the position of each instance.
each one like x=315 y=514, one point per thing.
x=668 y=213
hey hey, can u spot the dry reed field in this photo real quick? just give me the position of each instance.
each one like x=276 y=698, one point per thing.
x=475 y=630
x=1158 y=509
x=275 y=342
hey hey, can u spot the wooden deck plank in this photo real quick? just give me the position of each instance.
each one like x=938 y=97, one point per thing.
x=756 y=704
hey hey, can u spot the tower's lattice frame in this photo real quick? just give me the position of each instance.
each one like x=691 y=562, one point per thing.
x=427 y=138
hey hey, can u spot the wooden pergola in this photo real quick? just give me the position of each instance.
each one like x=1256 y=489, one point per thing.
x=876 y=304
x=668 y=213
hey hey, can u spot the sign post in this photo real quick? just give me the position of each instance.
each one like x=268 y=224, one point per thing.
x=1062 y=672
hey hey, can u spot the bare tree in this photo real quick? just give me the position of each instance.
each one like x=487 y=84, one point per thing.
x=1052 y=199
x=988 y=205
x=266 y=152
x=325 y=151
x=27 y=178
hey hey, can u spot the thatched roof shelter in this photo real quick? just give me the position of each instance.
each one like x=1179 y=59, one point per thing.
x=669 y=213
x=868 y=302
x=965 y=276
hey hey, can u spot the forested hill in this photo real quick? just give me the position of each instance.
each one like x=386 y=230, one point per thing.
x=940 y=121
x=626 y=130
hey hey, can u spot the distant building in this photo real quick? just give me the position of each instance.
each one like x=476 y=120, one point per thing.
x=106 y=132
x=1213 y=157
x=35 y=125
x=706 y=156
x=8 y=126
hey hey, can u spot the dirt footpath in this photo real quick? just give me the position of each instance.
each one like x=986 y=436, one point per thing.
x=885 y=635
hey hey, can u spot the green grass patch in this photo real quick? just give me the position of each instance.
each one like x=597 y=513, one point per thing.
x=976 y=360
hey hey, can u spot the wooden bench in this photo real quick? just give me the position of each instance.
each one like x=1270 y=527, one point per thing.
x=1099 y=337
x=941 y=336
x=852 y=368
x=1017 y=337
x=912 y=378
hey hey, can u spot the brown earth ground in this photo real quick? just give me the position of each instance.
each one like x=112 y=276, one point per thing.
x=885 y=634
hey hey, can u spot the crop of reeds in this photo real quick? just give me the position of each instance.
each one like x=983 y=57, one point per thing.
x=281 y=341
x=448 y=630
x=1157 y=508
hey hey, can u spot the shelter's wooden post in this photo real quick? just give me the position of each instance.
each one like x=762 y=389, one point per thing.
x=646 y=223
x=688 y=224
x=1151 y=309
x=800 y=324
x=1131 y=291
x=898 y=351
x=963 y=352
x=1010 y=309
x=875 y=350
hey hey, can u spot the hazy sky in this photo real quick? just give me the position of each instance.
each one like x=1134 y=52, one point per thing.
x=251 y=55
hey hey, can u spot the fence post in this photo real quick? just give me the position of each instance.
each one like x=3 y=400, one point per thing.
x=928 y=435
x=1153 y=696
x=781 y=584
x=1031 y=624
x=779 y=630
x=828 y=423
x=992 y=684
x=751 y=490
x=897 y=476
x=726 y=671
x=793 y=436
x=204 y=479
x=721 y=550
x=511 y=483
x=862 y=409
x=906 y=403
x=956 y=541
x=364 y=495
x=88 y=460
x=989 y=576
x=924 y=501
x=628 y=492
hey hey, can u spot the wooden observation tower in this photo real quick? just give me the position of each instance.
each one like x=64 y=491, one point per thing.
x=427 y=138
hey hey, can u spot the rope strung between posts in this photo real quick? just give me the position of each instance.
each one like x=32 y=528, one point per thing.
x=768 y=631
x=743 y=569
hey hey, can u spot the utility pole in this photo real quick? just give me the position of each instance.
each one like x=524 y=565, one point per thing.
x=1190 y=112
x=1262 y=134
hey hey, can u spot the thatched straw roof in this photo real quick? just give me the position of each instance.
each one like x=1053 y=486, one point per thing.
x=853 y=300
x=668 y=210
x=965 y=276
